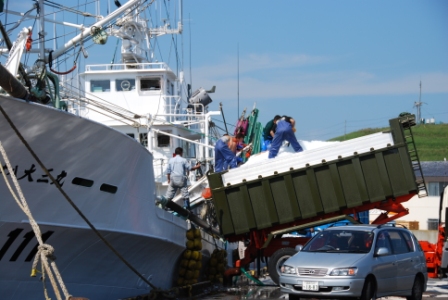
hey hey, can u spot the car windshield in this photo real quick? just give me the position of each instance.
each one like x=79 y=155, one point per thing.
x=344 y=241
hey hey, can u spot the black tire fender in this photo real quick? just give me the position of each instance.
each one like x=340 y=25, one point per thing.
x=417 y=289
x=369 y=289
x=276 y=261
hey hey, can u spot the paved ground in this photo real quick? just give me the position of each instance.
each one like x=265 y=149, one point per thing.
x=436 y=289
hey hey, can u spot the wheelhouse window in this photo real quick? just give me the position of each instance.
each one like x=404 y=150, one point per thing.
x=98 y=86
x=144 y=139
x=170 y=88
x=189 y=149
x=163 y=140
x=150 y=84
x=124 y=85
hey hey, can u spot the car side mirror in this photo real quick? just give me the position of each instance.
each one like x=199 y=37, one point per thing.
x=299 y=247
x=382 y=251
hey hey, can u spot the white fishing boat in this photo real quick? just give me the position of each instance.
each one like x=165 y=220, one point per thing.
x=95 y=157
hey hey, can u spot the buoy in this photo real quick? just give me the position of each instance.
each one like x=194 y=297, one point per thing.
x=197 y=233
x=191 y=262
x=207 y=193
x=187 y=254
x=197 y=244
x=217 y=266
x=190 y=245
x=190 y=234
x=29 y=42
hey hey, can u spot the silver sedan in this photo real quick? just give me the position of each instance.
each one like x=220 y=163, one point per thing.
x=357 y=261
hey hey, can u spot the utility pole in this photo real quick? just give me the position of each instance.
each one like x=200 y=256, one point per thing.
x=418 y=105
x=345 y=129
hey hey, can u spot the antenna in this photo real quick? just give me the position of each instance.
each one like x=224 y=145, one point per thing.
x=238 y=67
x=189 y=31
x=418 y=105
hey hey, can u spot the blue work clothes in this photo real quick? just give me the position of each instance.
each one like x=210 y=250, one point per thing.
x=284 y=132
x=267 y=144
x=224 y=157
x=178 y=168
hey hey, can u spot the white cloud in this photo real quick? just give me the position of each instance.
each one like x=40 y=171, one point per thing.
x=258 y=62
x=262 y=77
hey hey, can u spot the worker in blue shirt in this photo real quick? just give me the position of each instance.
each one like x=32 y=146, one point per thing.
x=177 y=174
x=224 y=157
x=284 y=132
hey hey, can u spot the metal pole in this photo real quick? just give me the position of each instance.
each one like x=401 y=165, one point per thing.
x=181 y=138
x=222 y=112
x=42 y=30
x=86 y=31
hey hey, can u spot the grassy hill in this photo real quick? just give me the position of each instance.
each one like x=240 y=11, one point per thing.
x=431 y=140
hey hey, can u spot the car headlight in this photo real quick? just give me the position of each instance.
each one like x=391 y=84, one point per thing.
x=285 y=269
x=344 y=272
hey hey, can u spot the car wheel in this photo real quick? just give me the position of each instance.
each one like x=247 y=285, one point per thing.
x=417 y=289
x=276 y=261
x=368 y=291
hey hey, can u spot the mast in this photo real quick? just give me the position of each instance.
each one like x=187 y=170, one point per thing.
x=42 y=30
x=86 y=32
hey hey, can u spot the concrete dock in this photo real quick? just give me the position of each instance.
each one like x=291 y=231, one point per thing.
x=437 y=288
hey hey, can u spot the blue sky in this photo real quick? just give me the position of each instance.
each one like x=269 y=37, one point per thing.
x=334 y=66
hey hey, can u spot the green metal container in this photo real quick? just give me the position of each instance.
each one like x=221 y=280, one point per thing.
x=318 y=189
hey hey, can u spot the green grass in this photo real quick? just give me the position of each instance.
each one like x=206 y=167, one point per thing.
x=431 y=140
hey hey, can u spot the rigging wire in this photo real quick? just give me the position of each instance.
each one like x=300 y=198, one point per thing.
x=71 y=9
x=18 y=22
x=27 y=54
x=88 y=38
x=109 y=109
x=102 y=106
x=57 y=185
x=221 y=121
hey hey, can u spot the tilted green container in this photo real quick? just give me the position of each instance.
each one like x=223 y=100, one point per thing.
x=317 y=189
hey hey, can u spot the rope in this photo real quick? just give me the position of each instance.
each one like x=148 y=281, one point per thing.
x=43 y=284
x=45 y=251
x=258 y=282
x=50 y=63
x=70 y=201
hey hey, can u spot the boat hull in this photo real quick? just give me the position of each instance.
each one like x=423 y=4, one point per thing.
x=87 y=266
x=109 y=178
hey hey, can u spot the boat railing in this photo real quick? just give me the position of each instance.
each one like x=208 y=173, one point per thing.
x=172 y=108
x=173 y=112
x=132 y=66
x=170 y=111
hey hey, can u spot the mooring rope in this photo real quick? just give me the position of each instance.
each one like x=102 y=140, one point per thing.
x=57 y=185
x=45 y=251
